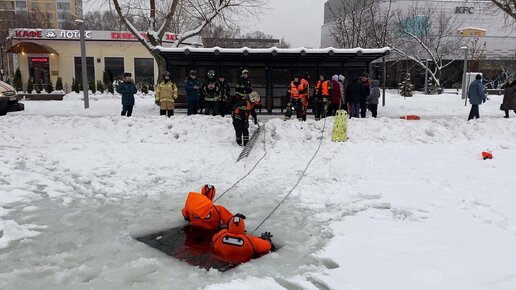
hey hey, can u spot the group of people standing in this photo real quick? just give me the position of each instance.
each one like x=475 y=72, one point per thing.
x=330 y=95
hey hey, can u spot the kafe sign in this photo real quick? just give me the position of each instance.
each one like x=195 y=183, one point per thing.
x=464 y=10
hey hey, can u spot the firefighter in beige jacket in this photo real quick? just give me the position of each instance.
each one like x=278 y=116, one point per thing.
x=166 y=95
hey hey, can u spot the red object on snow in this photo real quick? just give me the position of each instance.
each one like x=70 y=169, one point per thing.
x=487 y=155
x=410 y=117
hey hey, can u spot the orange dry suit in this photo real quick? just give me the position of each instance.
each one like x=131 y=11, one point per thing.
x=234 y=246
x=305 y=94
x=200 y=211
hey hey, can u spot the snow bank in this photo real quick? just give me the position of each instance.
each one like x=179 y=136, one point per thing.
x=401 y=205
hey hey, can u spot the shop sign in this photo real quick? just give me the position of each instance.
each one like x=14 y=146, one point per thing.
x=49 y=34
x=39 y=59
x=61 y=34
x=464 y=10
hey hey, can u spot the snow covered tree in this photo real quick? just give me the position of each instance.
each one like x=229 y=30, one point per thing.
x=427 y=32
x=49 y=87
x=405 y=87
x=188 y=18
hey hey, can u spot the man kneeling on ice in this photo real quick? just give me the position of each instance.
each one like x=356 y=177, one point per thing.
x=234 y=246
x=200 y=211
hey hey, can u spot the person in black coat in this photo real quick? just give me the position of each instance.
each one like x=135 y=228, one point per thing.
x=243 y=87
x=192 y=88
x=127 y=89
x=211 y=93
x=354 y=92
x=225 y=96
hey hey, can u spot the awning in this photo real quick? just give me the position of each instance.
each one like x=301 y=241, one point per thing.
x=30 y=47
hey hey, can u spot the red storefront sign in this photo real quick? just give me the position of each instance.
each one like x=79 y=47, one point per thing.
x=129 y=35
x=39 y=59
x=29 y=33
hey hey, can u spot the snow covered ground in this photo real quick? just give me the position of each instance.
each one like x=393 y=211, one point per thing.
x=401 y=205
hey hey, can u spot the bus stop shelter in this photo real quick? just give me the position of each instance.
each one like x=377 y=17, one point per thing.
x=270 y=70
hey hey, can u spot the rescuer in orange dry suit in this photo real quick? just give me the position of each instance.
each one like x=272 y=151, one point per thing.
x=234 y=246
x=200 y=211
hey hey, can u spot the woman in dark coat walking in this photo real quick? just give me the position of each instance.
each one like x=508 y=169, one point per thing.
x=509 y=97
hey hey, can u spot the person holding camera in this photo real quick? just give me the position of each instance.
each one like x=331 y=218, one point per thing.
x=192 y=87
x=127 y=89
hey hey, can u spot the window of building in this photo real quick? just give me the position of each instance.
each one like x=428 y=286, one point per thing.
x=90 y=68
x=35 y=5
x=39 y=69
x=144 y=70
x=62 y=15
x=63 y=6
x=6 y=5
x=114 y=66
x=50 y=6
x=21 y=4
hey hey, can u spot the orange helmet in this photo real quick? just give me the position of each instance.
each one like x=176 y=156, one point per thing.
x=209 y=191
x=236 y=224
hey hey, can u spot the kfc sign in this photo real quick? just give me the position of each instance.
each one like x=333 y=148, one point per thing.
x=464 y=10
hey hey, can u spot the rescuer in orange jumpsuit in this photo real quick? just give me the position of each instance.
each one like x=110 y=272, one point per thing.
x=234 y=246
x=200 y=211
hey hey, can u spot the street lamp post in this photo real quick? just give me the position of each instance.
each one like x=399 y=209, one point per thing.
x=85 y=85
x=1 y=62
x=426 y=77
x=464 y=85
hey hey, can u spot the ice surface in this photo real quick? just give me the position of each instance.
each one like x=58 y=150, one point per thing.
x=401 y=205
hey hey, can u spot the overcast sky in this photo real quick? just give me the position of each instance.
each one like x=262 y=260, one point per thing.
x=298 y=21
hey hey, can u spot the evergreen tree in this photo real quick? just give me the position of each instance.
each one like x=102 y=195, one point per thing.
x=30 y=86
x=79 y=86
x=100 y=86
x=75 y=86
x=92 y=87
x=405 y=87
x=39 y=86
x=50 y=87
x=59 y=84
x=110 y=88
x=17 y=84
x=144 y=89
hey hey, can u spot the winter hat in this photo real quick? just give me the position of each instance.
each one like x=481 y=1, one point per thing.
x=128 y=74
x=478 y=77
x=341 y=78
x=335 y=78
x=245 y=72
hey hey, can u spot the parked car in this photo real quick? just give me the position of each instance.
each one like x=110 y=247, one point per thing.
x=9 y=99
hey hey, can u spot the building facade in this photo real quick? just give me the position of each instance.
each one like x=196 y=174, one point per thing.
x=55 y=12
x=474 y=19
x=45 y=54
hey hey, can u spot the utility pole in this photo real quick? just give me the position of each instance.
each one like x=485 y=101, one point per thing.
x=85 y=84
